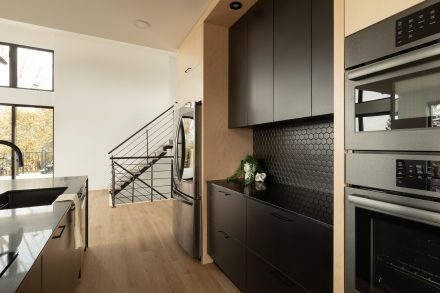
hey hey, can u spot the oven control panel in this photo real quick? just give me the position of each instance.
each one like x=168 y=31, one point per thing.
x=418 y=25
x=417 y=174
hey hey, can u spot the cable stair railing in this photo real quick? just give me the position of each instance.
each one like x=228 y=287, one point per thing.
x=141 y=165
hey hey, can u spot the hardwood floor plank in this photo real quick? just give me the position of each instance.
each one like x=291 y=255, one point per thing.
x=132 y=249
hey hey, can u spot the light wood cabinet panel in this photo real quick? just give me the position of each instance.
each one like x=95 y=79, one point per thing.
x=190 y=53
x=190 y=88
x=360 y=14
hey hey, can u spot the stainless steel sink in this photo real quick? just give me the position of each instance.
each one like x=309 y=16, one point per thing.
x=29 y=198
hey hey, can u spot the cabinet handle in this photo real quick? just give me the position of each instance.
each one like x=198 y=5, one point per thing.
x=188 y=69
x=72 y=208
x=278 y=216
x=226 y=194
x=61 y=233
x=224 y=234
x=277 y=275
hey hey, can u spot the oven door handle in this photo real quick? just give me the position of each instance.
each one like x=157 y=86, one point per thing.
x=400 y=60
x=405 y=212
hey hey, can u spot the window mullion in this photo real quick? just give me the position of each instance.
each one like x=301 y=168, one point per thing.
x=13 y=66
x=13 y=139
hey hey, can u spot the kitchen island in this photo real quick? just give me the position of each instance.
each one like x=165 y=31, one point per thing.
x=26 y=232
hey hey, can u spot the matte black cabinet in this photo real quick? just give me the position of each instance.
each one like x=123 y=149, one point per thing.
x=223 y=201
x=60 y=270
x=33 y=281
x=227 y=226
x=263 y=278
x=57 y=269
x=297 y=245
x=292 y=59
x=262 y=248
x=238 y=74
x=322 y=57
x=260 y=66
x=229 y=254
x=281 y=62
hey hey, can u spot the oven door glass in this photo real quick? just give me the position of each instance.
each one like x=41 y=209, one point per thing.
x=395 y=255
x=403 y=102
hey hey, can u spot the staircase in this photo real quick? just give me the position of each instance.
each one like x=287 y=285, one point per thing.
x=142 y=165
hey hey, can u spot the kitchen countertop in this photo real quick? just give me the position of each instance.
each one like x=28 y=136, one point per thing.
x=27 y=230
x=313 y=204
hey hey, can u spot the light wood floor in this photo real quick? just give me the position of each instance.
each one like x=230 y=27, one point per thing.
x=132 y=249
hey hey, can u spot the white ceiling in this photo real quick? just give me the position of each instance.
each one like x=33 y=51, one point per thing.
x=171 y=20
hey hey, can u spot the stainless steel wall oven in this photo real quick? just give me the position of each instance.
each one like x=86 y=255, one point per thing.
x=392 y=223
x=392 y=198
x=393 y=83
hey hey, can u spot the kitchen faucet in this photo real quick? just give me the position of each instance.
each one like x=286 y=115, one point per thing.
x=17 y=150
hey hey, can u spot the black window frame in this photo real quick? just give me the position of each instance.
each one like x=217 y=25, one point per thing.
x=13 y=48
x=14 y=129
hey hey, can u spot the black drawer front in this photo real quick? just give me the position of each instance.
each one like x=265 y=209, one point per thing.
x=229 y=254
x=227 y=210
x=4 y=201
x=264 y=278
x=298 y=246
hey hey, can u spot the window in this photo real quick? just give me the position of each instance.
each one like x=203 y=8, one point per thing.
x=4 y=68
x=31 y=129
x=26 y=67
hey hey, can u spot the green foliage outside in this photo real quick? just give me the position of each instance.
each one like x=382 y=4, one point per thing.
x=34 y=135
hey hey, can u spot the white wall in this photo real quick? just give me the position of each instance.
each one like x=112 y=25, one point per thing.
x=104 y=91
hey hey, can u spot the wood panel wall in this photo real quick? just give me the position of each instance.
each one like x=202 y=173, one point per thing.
x=361 y=13
x=339 y=148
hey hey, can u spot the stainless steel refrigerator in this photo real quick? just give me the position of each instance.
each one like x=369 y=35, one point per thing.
x=187 y=187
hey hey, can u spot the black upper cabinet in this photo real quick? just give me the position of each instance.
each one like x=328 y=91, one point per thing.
x=292 y=59
x=238 y=74
x=281 y=62
x=260 y=54
x=322 y=57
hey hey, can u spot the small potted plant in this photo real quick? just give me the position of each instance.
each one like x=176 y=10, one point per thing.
x=249 y=171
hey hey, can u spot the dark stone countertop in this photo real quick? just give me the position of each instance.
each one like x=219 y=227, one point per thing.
x=27 y=230
x=313 y=204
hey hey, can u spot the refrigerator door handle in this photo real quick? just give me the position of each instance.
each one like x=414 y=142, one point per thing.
x=176 y=153
x=182 y=198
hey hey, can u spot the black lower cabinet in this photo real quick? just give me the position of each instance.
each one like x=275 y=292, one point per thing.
x=229 y=254
x=297 y=245
x=263 y=278
x=33 y=281
x=60 y=260
x=281 y=251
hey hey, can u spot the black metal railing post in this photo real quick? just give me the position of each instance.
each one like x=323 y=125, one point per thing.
x=148 y=150
x=172 y=179
x=132 y=189
x=113 y=182
x=151 y=181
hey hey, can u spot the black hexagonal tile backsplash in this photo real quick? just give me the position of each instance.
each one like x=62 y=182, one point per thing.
x=297 y=154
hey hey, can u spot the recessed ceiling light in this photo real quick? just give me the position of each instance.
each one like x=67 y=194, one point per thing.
x=236 y=5
x=140 y=23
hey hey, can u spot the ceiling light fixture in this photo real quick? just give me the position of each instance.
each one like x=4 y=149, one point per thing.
x=140 y=23
x=3 y=61
x=236 y=5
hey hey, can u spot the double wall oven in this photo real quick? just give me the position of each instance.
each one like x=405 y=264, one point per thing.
x=392 y=198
